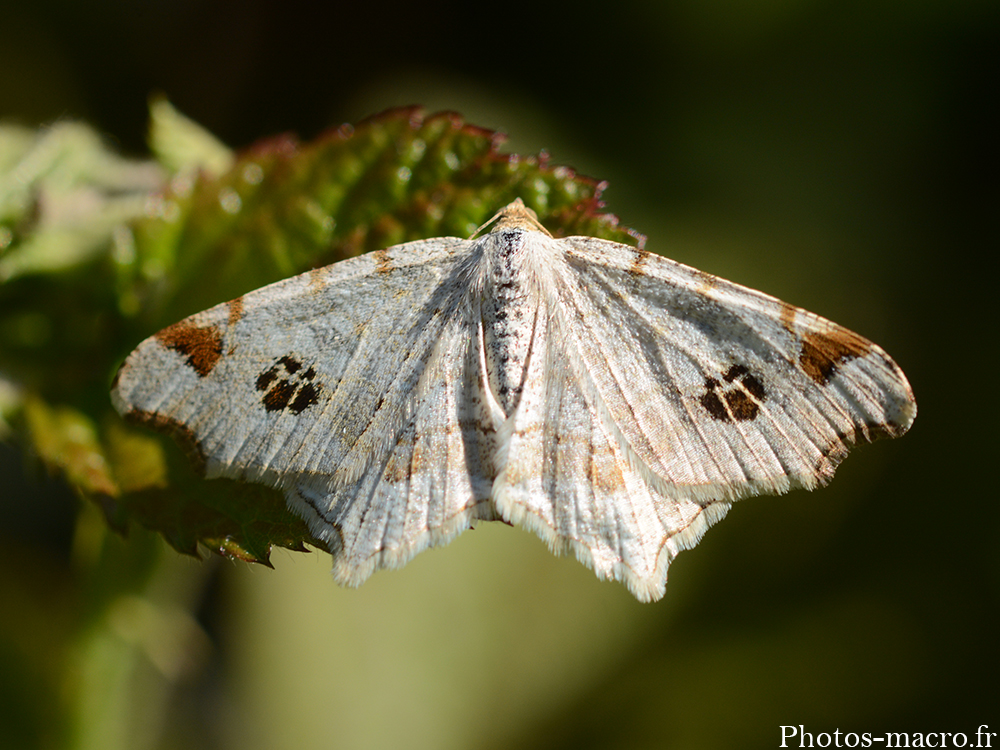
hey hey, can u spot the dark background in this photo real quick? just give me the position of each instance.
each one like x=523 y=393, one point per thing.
x=840 y=155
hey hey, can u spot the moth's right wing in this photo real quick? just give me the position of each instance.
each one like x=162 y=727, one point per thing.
x=657 y=395
x=348 y=387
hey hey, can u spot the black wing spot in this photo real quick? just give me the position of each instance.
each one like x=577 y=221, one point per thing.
x=286 y=386
x=739 y=401
x=291 y=364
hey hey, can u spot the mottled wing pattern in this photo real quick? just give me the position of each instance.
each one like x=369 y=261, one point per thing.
x=420 y=484
x=570 y=477
x=665 y=394
x=348 y=387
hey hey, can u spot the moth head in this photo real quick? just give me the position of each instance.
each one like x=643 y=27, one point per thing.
x=514 y=215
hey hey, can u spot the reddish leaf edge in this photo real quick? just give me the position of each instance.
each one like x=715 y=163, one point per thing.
x=289 y=144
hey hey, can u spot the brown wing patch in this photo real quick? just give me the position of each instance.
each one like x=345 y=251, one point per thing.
x=788 y=317
x=706 y=282
x=822 y=353
x=605 y=472
x=235 y=310
x=201 y=346
x=872 y=431
x=383 y=261
x=316 y=276
x=639 y=260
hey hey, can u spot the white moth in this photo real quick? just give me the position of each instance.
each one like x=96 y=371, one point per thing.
x=612 y=401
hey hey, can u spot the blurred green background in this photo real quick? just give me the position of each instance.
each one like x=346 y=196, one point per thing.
x=839 y=155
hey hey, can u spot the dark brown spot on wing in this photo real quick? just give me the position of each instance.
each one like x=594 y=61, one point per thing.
x=741 y=406
x=739 y=401
x=279 y=395
x=383 y=261
x=201 y=346
x=822 y=353
x=753 y=386
x=265 y=379
x=290 y=364
x=183 y=434
x=235 y=311
x=639 y=260
x=872 y=431
x=706 y=281
x=875 y=431
x=287 y=386
x=734 y=372
x=316 y=279
x=605 y=473
x=711 y=401
x=307 y=395
x=788 y=317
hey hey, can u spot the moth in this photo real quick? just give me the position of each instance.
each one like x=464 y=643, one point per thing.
x=612 y=401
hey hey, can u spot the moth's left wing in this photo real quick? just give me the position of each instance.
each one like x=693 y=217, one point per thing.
x=717 y=390
x=657 y=394
x=568 y=476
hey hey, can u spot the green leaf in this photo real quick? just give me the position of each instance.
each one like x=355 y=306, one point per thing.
x=181 y=144
x=62 y=195
x=66 y=440
x=285 y=207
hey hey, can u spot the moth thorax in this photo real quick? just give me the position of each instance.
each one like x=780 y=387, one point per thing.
x=508 y=310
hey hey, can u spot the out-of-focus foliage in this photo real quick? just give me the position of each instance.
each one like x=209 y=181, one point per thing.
x=101 y=252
